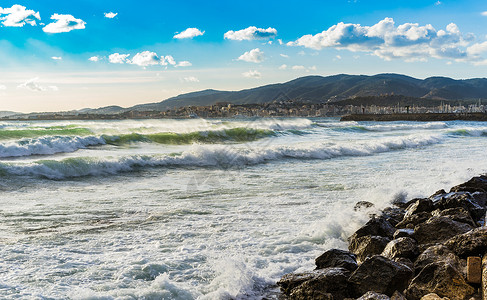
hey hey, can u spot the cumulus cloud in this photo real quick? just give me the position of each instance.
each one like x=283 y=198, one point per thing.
x=184 y=63
x=117 y=58
x=252 y=74
x=284 y=55
x=94 y=58
x=191 y=79
x=145 y=59
x=32 y=85
x=64 y=23
x=409 y=41
x=254 y=55
x=484 y=13
x=189 y=33
x=283 y=67
x=18 y=16
x=110 y=15
x=251 y=33
x=298 y=68
x=56 y=57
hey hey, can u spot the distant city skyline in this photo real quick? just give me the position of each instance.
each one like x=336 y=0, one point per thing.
x=71 y=55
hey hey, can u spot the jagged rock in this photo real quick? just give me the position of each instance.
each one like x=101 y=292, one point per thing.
x=393 y=215
x=438 y=229
x=413 y=220
x=401 y=247
x=336 y=258
x=437 y=195
x=323 y=284
x=419 y=206
x=367 y=246
x=398 y=296
x=381 y=275
x=405 y=261
x=378 y=226
x=362 y=205
x=476 y=184
x=440 y=278
x=439 y=254
x=465 y=200
x=403 y=232
x=433 y=296
x=472 y=243
x=458 y=214
x=373 y=296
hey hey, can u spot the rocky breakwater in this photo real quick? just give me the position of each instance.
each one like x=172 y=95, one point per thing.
x=412 y=250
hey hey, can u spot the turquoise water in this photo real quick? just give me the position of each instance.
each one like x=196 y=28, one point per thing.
x=208 y=209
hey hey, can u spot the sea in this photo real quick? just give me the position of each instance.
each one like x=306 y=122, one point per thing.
x=204 y=209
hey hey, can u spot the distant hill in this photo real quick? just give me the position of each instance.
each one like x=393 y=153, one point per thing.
x=318 y=89
x=7 y=113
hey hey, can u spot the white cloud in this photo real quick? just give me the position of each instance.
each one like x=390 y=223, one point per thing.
x=94 y=58
x=296 y=68
x=438 y=3
x=110 y=15
x=189 y=33
x=64 y=23
x=117 y=58
x=18 y=16
x=168 y=59
x=32 y=85
x=184 y=63
x=312 y=68
x=284 y=55
x=283 y=67
x=145 y=59
x=254 y=55
x=484 y=13
x=252 y=74
x=251 y=33
x=338 y=57
x=280 y=41
x=57 y=58
x=191 y=79
x=408 y=41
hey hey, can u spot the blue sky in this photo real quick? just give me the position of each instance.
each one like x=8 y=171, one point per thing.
x=62 y=55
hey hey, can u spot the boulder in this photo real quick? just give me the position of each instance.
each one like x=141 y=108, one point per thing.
x=393 y=215
x=367 y=246
x=458 y=214
x=362 y=205
x=437 y=195
x=471 y=243
x=405 y=261
x=403 y=232
x=323 y=284
x=378 y=226
x=465 y=200
x=381 y=275
x=401 y=247
x=373 y=296
x=438 y=229
x=442 y=279
x=439 y=254
x=398 y=296
x=413 y=220
x=419 y=206
x=476 y=184
x=336 y=258
x=433 y=296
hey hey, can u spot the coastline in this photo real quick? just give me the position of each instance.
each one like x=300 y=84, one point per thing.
x=425 y=117
x=425 y=248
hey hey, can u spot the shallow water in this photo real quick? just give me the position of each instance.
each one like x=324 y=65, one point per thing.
x=209 y=209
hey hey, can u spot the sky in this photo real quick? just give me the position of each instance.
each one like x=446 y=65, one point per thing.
x=65 y=55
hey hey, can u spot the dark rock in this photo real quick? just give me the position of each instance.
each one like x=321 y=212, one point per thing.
x=413 y=220
x=398 y=296
x=458 y=214
x=361 y=205
x=438 y=229
x=419 y=206
x=433 y=296
x=472 y=243
x=373 y=296
x=405 y=261
x=378 y=226
x=442 y=279
x=401 y=247
x=367 y=246
x=465 y=200
x=437 y=195
x=393 y=215
x=476 y=184
x=400 y=200
x=323 y=284
x=336 y=258
x=439 y=254
x=381 y=275
x=404 y=232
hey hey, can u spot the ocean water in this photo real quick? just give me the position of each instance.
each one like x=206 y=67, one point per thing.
x=203 y=209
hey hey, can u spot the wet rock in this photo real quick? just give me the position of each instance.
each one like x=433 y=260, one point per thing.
x=433 y=296
x=413 y=220
x=393 y=215
x=367 y=246
x=458 y=214
x=438 y=229
x=405 y=261
x=465 y=200
x=437 y=195
x=401 y=247
x=373 y=296
x=381 y=275
x=404 y=232
x=398 y=296
x=472 y=243
x=439 y=254
x=442 y=279
x=323 y=284
x=336 y=258
x=377 y=226
x=476 y=184
x=419 y=206
x=361 y=205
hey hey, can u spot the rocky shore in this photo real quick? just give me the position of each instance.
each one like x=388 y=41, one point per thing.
x=425 y=117
x=427 y=248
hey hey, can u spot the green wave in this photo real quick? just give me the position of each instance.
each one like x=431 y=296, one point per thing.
x=238 y=135
x=31 y=133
